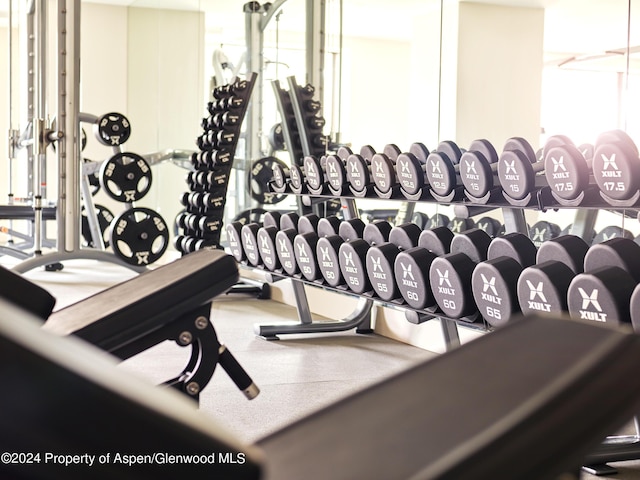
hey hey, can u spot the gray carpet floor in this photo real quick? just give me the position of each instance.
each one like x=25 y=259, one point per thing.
x=296 y=375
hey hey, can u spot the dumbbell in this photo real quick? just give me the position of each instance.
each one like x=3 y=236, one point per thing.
x=441 y=169
x=490 y=225
x=306 y=241
x=420 y=218
x=494 y=281
x=358 y=168
x=380 y=259
x=450 y=274
x=459 y=224
x=284 y=243
x=567 y=171
x=411 y=267
x=336 y=173
x=437 y=220
x=478 y=167
x=353 y=255
x=266 y=240
x=328 y=248
x=612 y=231
x=603 y=292
x=314 y=175
x=297 y=179
x=410 y=171
x=517 y=168
x=542 y=231
x=543 y=287
x=616 y=168
x=383 y=171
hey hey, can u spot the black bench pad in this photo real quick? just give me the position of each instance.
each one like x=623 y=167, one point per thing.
x=527 y=402
x=25 y=294
x=118 y=315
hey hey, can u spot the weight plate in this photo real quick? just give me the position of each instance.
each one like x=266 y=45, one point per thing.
x=476 y=173
x=328 y=260
x=261 y=173
x=336 y=173
x=516 y=174
x=411 y=269
x=616 y=170
x=494 y=289
x=410 y=172
x=104 y=217
x=126 y=177
x=139 y=236
x=249 y=239
x=112 y=129
x=441 y=174
x=566 y=171
x=267 y=247
x=313 y=173
x=358 y=174
x=305 y=252
x=383 y=171
x=234 y=231
x=543 y=287
x=380 y=261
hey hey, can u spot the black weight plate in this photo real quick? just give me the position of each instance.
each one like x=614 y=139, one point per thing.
x=405 y=236
x=272 y=219
x=328 y=226
x=308 y=223
x=280 y=175
x=611 y=232
x=126 y=177
x=437 y=220
x=543 y=231
x=289 y=221
x=351 y=229
x=139 y=236
x=112 y=129
x=486 y=148
x=104 y=217
x=473 y=243
x=367 y=152
x=451 y=151
x=459 y=225
x=613 y=136
x=261 y=172
x=377 y=232
x=296 y=177
x=420 y=219
x=490 y=225
x=556 y=141
x=419 y=150
x=618 y=252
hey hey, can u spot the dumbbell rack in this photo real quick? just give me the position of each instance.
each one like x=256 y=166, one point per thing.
x=204 y=203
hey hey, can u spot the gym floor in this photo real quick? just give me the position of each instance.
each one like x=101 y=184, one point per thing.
x=296 y=375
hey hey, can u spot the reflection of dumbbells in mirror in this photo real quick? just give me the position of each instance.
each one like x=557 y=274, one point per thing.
x=616 y=168
x=491 y=225
x=603 y=292
x=411 y=267
x=543 y=231
x=543 y=287
x=494 y=281
x=459 y=224
x=380 y=260
x=612 y=231
x=450 y=274
x=358 y=168
x=353 y=255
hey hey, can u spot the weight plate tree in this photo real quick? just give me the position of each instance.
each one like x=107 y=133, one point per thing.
x=201 y=222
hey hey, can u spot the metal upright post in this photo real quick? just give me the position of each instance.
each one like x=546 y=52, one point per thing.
x=315 y=17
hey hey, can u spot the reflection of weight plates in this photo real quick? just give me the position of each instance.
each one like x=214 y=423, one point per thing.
x=112 y=129
x=105 y=217
x=258 y=180
x=94 y=180
x=253 y=215
x=139 y=236
x=126 y=177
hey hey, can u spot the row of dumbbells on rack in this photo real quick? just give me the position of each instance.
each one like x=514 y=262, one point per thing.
x=202 y=217
x=464 y=276
x=560 y=174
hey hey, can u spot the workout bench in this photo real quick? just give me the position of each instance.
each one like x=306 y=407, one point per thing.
x=528 y=401
x=171 y=302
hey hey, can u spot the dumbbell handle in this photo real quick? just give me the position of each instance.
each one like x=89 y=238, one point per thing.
x=238 y=374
